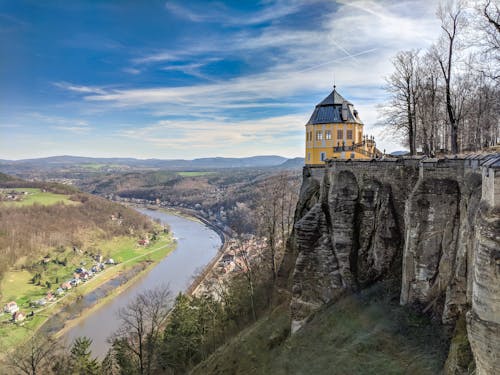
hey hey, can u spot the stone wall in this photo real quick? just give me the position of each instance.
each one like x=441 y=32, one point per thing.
x=433 y=224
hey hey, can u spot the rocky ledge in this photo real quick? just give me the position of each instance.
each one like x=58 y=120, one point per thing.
x=431 y=224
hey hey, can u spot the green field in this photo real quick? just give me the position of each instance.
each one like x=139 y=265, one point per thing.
x=36 y=196
x=99 y=166
x=17 y=285
x=194 y=173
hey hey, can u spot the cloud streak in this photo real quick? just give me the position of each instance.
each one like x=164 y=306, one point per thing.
x=254 y=81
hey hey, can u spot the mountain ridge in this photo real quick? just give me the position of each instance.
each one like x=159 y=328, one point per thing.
x=208 y=162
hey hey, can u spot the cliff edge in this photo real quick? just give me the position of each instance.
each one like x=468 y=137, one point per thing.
x=432 y=225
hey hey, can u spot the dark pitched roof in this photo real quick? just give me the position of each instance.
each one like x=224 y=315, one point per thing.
x=330 y=110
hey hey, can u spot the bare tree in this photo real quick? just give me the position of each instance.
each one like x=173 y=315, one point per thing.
x=403 y=86
x=487 y=21
x=275 y=214
x=33 y=357
x=453 y=20
x=243 y=251
x=141 y=324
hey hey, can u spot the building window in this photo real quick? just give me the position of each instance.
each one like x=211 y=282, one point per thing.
x=349 y=134
x=308 y=156
x=353 y=156
x=323 y=156
x=319 y=135
x=328 y=134
x=340 y=134
x=310 y=136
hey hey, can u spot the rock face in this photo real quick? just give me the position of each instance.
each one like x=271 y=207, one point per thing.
x=434 y=225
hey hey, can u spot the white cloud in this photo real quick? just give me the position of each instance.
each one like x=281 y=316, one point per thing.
x=355 y=42
x=73 y=129
x=78 y=88
x=269 y=135
x=217 y=12
x=133 y=71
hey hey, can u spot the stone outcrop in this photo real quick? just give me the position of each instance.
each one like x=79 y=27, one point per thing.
x=431 y=224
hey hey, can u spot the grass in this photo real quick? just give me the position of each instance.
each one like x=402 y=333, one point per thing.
x=17 y=285
x=37 y=196
x=98 y=166
x=360 y=334
x=194 y=173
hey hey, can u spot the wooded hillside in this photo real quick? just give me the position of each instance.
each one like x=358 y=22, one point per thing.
x=35 y=229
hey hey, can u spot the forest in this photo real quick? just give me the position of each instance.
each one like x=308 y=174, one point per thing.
x=446 y=98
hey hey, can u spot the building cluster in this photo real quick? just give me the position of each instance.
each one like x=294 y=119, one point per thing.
x=237 y=257
x=80 y=275
x=12 y=195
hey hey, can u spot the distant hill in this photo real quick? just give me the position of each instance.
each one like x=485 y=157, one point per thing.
x=176 y=164
x=399 y=153
x=6 y=178
x=292 y=163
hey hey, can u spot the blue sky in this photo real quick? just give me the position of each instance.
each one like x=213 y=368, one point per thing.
x=188 y=79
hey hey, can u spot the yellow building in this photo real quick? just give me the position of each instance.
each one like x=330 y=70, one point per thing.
x=336 y=131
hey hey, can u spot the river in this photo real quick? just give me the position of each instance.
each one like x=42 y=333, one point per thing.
x=197 y=244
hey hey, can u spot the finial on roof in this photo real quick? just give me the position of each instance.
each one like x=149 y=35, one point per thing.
x=334 y=87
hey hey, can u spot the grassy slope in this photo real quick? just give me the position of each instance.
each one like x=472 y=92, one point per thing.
x=88 y=222
x=38 y=196
x=194 y=173
x=16 y=285
x=364 y=334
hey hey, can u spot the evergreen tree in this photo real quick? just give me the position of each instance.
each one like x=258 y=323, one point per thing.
x=81 y=361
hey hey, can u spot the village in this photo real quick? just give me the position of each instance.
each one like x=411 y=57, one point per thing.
x=12 y=195
x=237 y=256
x=18 y=312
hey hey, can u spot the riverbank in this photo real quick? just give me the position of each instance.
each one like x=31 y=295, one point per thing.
x=12 y=335
x=197 y=244
x=109 y=289
x=224 y=236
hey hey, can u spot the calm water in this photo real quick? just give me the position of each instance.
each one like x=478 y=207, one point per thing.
x=196 y=246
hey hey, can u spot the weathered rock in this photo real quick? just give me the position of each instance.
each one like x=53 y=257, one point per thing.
x=414 y=219
x=484 y=318
x=431 y=221
x=342 y=201
x=378 y=233
x=316 y=278
x=460 y=360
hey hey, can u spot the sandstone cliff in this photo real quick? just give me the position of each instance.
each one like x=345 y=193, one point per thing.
x=433 y=225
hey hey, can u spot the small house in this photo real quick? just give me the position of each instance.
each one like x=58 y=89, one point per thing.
x=18 y=316
x=50 y=297
x=41 y=302
x=59 y=291
x=98 y=258
x=110 y=261
x=143 y=242
x=11 y=307
x=227 y=258
x=66 y=285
